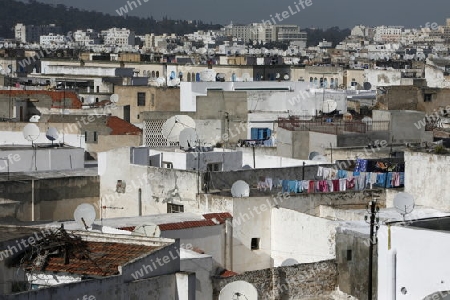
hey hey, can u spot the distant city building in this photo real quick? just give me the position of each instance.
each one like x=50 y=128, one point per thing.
x=266 y=33
x=388 y=33
x=86 y=38
x=118 y=37
x=362 y=31
x=20 y=33
x=446 y=34
x=33 y=33
x=51 y=39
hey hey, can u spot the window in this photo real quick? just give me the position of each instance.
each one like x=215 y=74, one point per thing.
x=427 y=97
x=141 y=99
x=121 y=186
x=349 y=255
x=214 y=167
x=167 y=165
x=255 y=244
x=95 y=136
x=85 y=136
x=174 y=208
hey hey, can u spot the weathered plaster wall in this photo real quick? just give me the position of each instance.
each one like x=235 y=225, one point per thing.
x=299 y=238
x=426 y=178
x=55 y=198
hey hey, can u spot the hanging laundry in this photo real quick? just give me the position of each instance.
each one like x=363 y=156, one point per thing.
x=299 y=186
x=261 y=183
x=293 y=186
x=361 y=181
x=368 y=175
x=305 y=185
x=373 y=177
x=326 y=173
x=316 y=187
x=311 y=186
x=285 y=186
x=357 y=165
x=342 y=174
x=320 y=171
x=333 y=174
x=330 y=185
x=335 y=185
x=396 y=179
x=381 y=179
x=342 y=184
x=268 y=183
x=363 y=165
x=389 y=180
x=350 y=183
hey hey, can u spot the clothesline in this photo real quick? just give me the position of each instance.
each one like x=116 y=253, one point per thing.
x=335 y=181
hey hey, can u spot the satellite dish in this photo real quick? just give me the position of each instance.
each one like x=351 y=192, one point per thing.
x=35 y=118
x=312 y=155
x=114 y=98
x=52 y=134
x=90 y=100
x=84 y=215
x=188 y=138
x=286 y=77
x=172 y=128
x=367 y=86
x=240 y=189
x=31 y=132
x=320 y=158
x=160 y=80
x=220 y=77
x=329 y=106
x=404 y=204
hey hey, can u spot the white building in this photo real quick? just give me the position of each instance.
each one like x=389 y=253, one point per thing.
x=388 y=33
x=86 y=38
x=411 y=257
x=266 y=33
x=51 y=39
x=120 y=37
x=20 y=32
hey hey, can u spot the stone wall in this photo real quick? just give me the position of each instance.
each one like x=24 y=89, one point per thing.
x=302 y=281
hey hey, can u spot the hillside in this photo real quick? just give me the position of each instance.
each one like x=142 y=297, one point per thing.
x=71 y=18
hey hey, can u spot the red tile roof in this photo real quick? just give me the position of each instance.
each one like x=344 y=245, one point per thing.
x=129 y=228
x=186 y=225
x=228 y=273
x=122 y=127
x=56 y=96
x=218 y=216
x=100 y=259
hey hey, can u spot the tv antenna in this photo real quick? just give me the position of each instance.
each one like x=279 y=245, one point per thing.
x=84 y=215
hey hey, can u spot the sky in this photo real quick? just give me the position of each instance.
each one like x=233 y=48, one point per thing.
x=321 y=13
